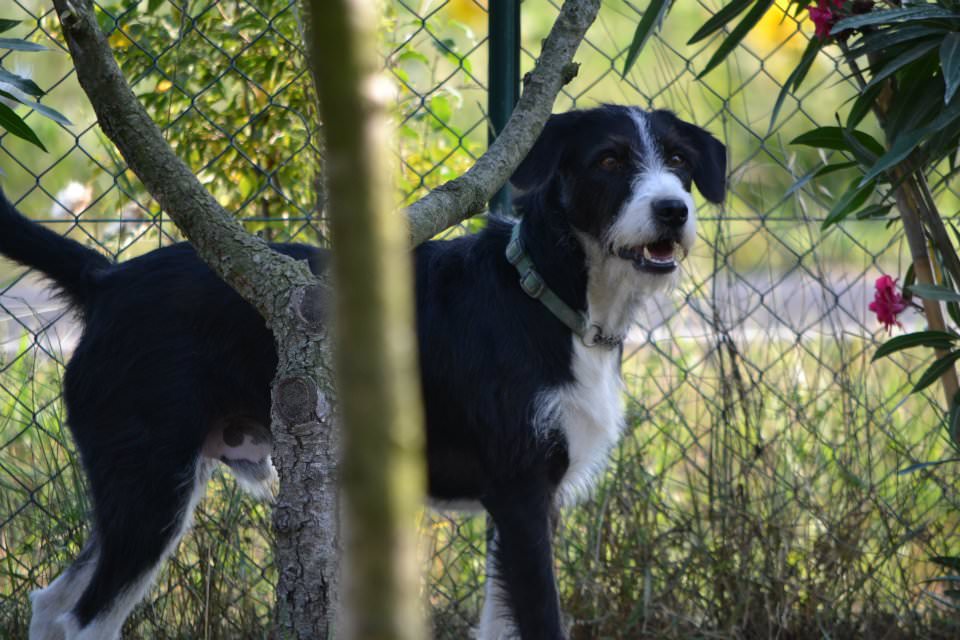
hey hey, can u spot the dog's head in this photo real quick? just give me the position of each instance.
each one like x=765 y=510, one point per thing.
x=621 y=178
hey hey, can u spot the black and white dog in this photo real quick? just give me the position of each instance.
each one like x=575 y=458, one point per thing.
x=520 y=330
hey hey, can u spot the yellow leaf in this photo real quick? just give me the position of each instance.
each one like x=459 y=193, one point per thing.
x=163 y=86
x=119 y=40
x=778 y=29
x=468 y=12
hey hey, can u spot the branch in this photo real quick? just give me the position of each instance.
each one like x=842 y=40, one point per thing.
x=244 y=261
x=468 y=195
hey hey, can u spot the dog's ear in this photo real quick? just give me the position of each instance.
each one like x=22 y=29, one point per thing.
x=710 y=174
x=544 y=158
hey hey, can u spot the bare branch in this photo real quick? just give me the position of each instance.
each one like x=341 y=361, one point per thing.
x=468 y=195
x=241 y=259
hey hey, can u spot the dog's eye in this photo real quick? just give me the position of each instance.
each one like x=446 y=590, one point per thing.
x=610 y=162
x=677 y=161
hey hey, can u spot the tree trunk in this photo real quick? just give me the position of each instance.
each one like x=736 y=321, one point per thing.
x=306 y=454
x=383 y=473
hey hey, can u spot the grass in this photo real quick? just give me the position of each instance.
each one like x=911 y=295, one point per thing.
x=755 y=495
x=742 y=506
x=219 y=584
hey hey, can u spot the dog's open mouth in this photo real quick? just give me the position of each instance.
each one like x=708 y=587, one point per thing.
x=655 y=257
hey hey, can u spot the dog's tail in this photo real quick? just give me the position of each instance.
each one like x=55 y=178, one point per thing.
x=72 y=266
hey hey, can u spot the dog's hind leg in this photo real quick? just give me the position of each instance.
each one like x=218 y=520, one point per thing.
x=61 y=595
x=138 y=524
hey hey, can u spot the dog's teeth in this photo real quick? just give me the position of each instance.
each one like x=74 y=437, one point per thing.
x=647 y=255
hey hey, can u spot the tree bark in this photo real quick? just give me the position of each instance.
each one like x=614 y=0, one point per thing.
x=377 y=377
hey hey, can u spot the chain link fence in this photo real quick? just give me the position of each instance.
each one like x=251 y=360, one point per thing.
x=756 y=493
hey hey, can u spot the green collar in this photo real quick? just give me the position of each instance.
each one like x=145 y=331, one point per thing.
x=536 y=287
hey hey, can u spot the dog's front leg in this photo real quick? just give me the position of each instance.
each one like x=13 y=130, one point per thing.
x=522 y=567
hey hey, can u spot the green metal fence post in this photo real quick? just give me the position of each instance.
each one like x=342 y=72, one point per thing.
x=504 y=75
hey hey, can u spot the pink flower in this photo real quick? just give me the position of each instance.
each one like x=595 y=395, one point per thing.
x=822 y=17
x=887 y=303
x=829 y=12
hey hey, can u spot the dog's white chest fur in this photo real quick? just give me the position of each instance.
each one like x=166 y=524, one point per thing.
x=589 y=412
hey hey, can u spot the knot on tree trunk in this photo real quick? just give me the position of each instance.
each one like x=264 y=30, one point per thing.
x=299 y=401
x=311 y=305
x=569 y=72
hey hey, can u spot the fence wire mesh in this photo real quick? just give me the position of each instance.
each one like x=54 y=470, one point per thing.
x=756 y=492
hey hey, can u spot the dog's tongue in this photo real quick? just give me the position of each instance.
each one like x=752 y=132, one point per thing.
x=661 y=251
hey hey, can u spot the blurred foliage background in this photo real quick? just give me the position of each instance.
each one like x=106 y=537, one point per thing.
x=757 y=493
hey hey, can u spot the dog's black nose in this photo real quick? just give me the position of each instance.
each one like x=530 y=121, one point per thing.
x=670 y=212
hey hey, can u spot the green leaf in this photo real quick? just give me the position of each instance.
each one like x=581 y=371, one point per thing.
x=6 y=25
x=652 y=18
x=902 y=147
x=797 y=75
x=13 y=123
x=441 y=108
x=943 y=144
x=862 y=154
x=932 y=339
x=910 y=277
x=926 y=97
x=833 y=138
x=907 y=141
x=924 y=465
x=26 y=85
x=950 y=63
x=882 y=40
x=414 y=56
x=42 y=109
x=900 y=61
x=953 y=310
x=852 y=200
x=153 y=5
x=719 y=20
x=817 y=173
x=935 y=370
x=874 y=211
x=862 y=106
x=908 y=14
x=739 y=33
x=953 y=419
x=935 y=292
x=831 y=168
x=16 y=44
